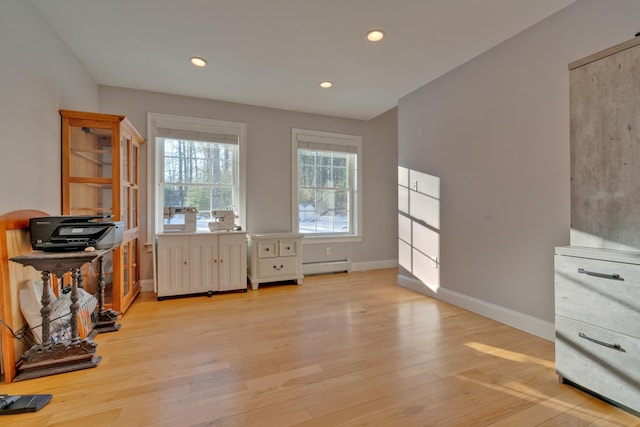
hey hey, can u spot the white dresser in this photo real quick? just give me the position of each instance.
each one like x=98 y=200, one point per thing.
x=597 y=296
x=200 y=263
x=274 y=257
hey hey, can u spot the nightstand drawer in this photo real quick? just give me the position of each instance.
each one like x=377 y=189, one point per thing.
x=598 y=292
x=275 y=267
x=288 y=247
x=599 y=359
x=268 y=249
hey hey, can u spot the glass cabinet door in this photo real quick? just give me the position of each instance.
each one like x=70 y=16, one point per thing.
x=90 y=198
x=130 y=273
x=126 y=277
x=125 y=148
x=91 y=154
x=90 y=174
x=134 y=208
x=134 y=177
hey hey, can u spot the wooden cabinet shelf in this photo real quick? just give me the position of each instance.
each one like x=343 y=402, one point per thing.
x=85 y=156
x=79 y=151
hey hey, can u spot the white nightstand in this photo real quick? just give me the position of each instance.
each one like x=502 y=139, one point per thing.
x=274 y=257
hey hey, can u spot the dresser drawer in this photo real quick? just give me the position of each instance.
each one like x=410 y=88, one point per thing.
x=600 y=360
x=275 y=267
x=288 y=247
x=268 y=249
x=602 y=293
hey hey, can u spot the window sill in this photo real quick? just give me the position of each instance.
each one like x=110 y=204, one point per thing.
x=310 y=240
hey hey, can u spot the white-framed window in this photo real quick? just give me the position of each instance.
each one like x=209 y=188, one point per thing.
x=327 y=184
x=195 y=162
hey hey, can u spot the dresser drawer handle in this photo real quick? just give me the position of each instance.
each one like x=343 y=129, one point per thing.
x=602 y=343
x=280 y=268
x=604 y=276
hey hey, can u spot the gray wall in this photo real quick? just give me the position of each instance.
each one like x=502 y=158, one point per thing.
x=39 y=76
x=496 y=133
x=269 y=166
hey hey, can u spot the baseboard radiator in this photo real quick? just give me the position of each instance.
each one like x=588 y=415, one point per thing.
x=324 y=267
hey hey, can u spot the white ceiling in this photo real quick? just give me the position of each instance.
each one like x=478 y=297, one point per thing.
x=274 y=53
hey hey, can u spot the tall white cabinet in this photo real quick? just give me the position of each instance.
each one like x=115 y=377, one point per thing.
x=200 y=263
x=597 y=278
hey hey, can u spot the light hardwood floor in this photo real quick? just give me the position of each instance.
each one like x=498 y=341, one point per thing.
x=341 y=350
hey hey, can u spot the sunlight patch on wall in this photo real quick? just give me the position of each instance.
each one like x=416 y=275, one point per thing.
x=419 y=225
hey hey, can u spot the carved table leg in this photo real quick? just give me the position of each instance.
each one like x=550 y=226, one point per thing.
x=101 y=285
x=45 y=311
x=75 y=307
x=80 y=279
x=106 y=318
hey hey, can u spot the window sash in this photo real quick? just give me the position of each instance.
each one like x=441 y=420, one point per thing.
x=305 y=144
x=203 y=195
x=328 y=218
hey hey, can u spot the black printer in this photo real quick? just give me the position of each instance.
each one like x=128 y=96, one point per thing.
x=74 y=233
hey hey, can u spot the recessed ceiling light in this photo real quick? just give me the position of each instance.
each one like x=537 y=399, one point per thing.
x=375 y=35
x=326 y=84
x=198 y=62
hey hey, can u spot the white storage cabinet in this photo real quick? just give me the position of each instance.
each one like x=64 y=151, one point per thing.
x=598 y=322
x=274 y=257
x=199 y=263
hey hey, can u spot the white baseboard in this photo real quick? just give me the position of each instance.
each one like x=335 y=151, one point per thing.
x=533 y=325
x=374 y=265
x=147 y=285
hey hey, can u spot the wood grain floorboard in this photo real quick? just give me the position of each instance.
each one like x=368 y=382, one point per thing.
x=349 y=349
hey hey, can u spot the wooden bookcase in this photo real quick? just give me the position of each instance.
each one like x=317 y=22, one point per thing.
x=101 y=177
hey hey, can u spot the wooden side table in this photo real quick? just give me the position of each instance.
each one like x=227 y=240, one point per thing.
x=64 y=356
